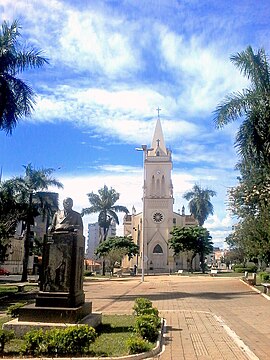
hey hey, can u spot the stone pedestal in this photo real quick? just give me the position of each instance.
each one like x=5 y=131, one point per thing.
x=61 y=281
x=69 y=315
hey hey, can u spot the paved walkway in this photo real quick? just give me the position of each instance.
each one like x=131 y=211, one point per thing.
x=207 y=317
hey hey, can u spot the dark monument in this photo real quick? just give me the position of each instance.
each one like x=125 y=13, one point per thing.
x=61 y=298
x=61 y=281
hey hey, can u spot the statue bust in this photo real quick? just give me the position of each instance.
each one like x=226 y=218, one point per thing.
x=67 y=219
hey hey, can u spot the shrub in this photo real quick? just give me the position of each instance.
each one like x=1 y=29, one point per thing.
x=264 y=276
x=5 y=336
x=72 y=340
x=147 y=327
x=34 y=343
x=13 y=310
x=88 y=273
x=141 y=304
x=241 y=268
x=137 y=345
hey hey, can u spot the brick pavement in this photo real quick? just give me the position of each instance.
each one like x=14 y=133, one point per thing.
x=207 y=318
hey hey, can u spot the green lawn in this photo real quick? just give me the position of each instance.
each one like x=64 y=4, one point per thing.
x=111 y=340
x=7 y=289
x=113 y=334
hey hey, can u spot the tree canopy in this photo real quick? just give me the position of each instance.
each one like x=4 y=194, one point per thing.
x=27 y=190
x=115 y=248
x=195 y=239
x=17 y=98
x=200 y=205
x=250 y=199
x=103 y=203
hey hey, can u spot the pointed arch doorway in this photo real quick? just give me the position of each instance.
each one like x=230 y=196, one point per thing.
x=158 y=258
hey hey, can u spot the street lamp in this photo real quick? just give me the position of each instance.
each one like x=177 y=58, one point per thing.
x=144 y=149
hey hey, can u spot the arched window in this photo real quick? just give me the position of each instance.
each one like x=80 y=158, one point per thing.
x=158 y=249
x=153 y=185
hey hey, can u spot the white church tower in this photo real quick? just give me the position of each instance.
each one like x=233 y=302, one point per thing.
x=151 y=228
x=157 y=201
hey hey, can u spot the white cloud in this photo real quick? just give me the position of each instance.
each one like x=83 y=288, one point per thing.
x=204 y=71
x=219 y=227
x=123 y=114
x=98 y=42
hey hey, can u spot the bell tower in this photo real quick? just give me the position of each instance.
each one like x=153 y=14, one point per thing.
x=157 y=202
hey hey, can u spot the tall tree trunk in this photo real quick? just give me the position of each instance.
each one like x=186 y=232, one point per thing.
x=27 y=243
x=191 y=262
x=202 y=262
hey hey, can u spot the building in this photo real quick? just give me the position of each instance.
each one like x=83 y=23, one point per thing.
x=15 y=253
x=151 y=228
x=93 y=239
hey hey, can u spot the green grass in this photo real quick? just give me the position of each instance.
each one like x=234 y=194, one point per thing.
x=111 y=341
x=7 y=289
x=113 y=334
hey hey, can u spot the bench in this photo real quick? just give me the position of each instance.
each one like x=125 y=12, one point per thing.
x=118 y=273
x=266 y=288
x=179 y=272
x=213 y=272
x=21 y=288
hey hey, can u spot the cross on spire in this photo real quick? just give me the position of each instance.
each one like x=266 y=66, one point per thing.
x=158 y=110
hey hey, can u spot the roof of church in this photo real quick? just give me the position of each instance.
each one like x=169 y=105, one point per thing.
x=158 y=143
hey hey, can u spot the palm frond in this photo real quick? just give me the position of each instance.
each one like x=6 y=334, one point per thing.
x=120 y=208
x=17 y=99
x=254 y=67
x=113 y=215
x=234 y=106
x=29 y=60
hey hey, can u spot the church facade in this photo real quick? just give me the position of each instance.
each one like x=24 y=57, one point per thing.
x=150 y=229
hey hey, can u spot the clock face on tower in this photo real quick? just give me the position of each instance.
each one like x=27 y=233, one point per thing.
x=158 y=217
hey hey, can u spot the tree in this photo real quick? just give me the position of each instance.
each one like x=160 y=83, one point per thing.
x=200 y=205
x=252 y=235
x=253 y=104
x=250 y=199
x=27 y=189
x=233 y=256
x=11 y=212
x=104 y=204
x=16 y=97
x=195 y=239
x=115 y=248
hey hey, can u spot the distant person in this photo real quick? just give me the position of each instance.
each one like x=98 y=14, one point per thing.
x=67 y=219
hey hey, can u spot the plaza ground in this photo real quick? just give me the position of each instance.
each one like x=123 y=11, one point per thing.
x=206 y=317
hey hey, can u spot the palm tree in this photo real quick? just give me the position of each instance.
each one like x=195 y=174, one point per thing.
x=253 y=103
x=28 y=189
x=16 y=97
x=200 y=205
x=10 y=213
x=104 y=204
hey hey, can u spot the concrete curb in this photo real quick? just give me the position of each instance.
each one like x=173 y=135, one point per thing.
x=267 y=297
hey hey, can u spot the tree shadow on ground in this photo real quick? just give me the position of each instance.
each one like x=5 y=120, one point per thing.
x=184 y=295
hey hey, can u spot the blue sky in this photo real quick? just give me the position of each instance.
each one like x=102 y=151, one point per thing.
x=112 y=63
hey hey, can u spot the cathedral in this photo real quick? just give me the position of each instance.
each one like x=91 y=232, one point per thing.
x=150 y=229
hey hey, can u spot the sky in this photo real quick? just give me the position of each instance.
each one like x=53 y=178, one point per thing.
x=112 y=63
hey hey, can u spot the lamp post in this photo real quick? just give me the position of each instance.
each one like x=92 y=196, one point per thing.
x=144 y=149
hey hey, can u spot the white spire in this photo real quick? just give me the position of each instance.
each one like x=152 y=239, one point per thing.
x=158 y=143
